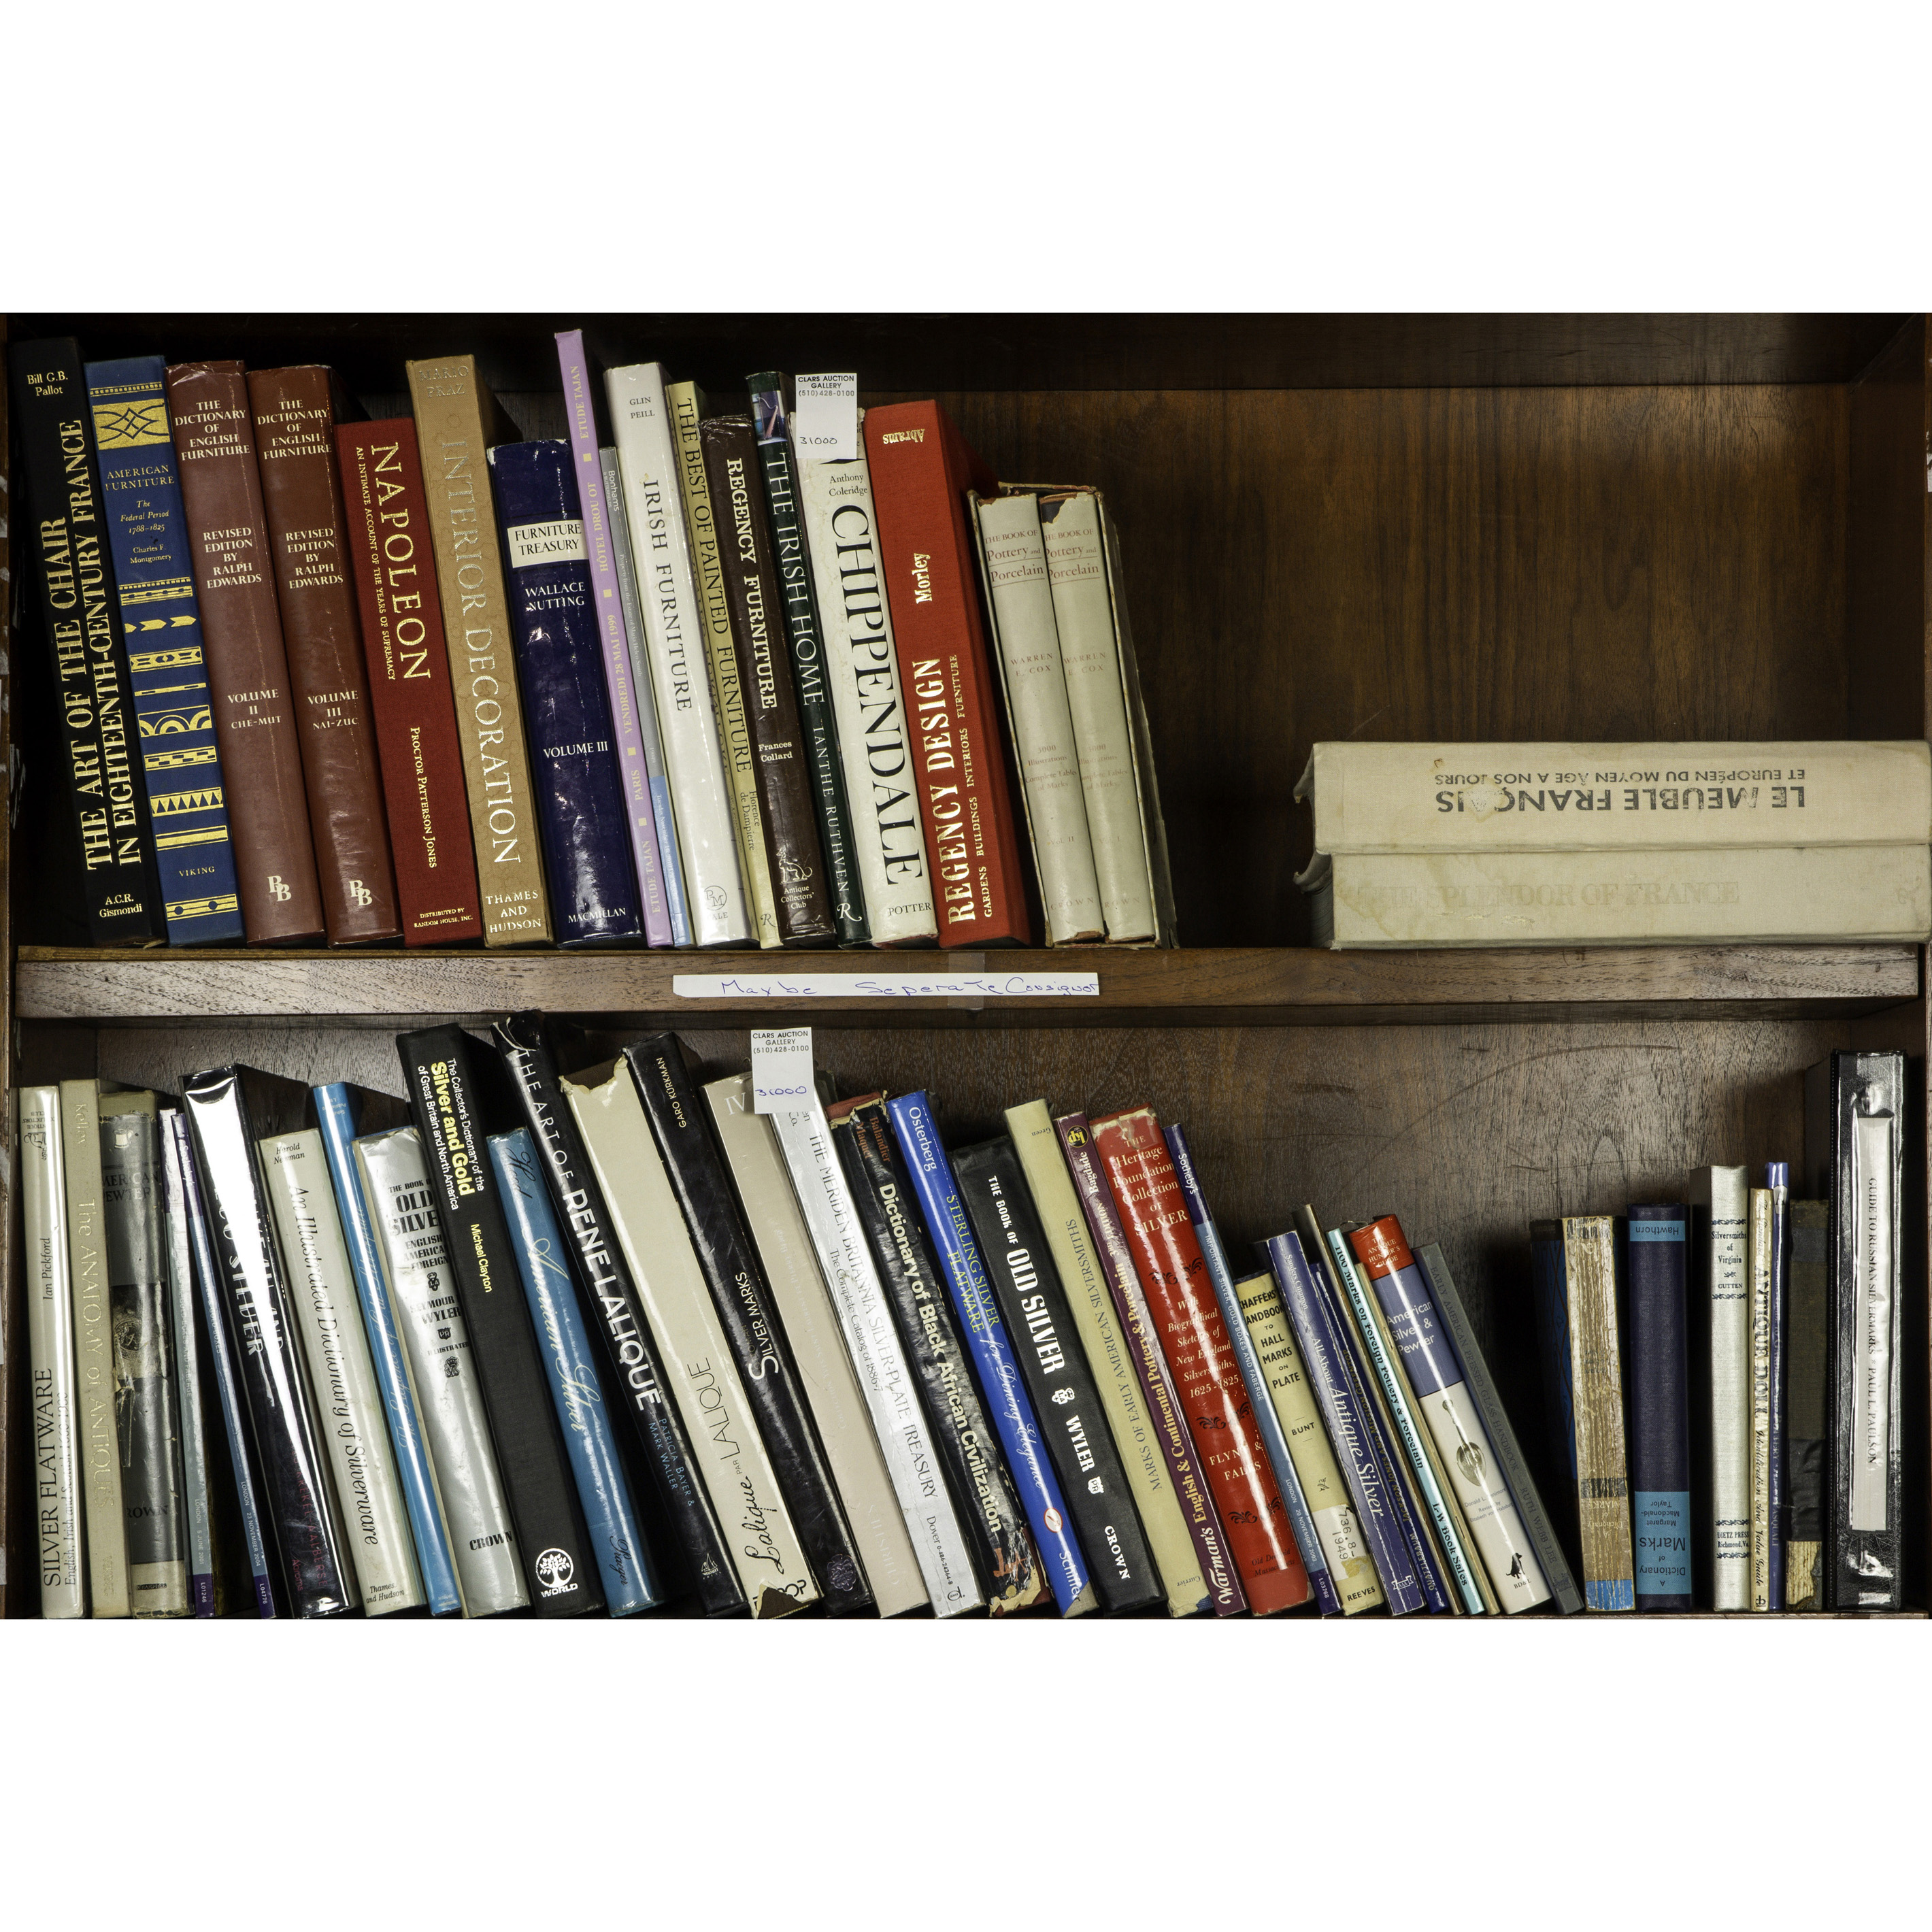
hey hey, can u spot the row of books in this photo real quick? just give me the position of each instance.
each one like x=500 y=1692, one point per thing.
x=683 y=679
x=746 y=1361
x=1554 y=844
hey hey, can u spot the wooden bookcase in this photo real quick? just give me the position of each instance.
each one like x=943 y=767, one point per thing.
x=1448 y=527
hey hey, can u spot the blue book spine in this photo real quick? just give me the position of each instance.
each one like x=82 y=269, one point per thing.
x=335 y=1118
x=1322 y=1356
x=560 y=656
x=1552 y=1294
x=667 y=858
x=147 y=536
x=1777 y=1179
x=623 y=1560
x=1660 y=1406
x=1261 y=1403
x=945 y=1216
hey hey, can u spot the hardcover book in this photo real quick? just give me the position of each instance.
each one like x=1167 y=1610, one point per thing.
x=1719 y=1293
x=457 y=418
x=1596 y=1383
x=294 y=412
x=1762 y=1243
x=57 y=1553
x=1659 y=1408
x=1807 y=1408
x=105 y=801
x=921 y=469
x=1778 y=1184
x=581 y=805
x=189 y=1354
x=411 y=700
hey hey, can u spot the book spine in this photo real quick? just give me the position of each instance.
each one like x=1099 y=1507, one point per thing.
x=1482 y=1388
x=799 y=1252
x=1261 y=1405
x=1172 y=1270
x=411 y=700
x=673 y=645
x=731 y=1273
x=1660 y=1408
x=796 y=865
x=445 y=1384
x=1322 y=1346
x=990 y=1507
x=1596 y=1380
x=773 y=1574
x=634 y=1363
x=448 y=1108
x=1024 y=1281
x=50 y=1366
x=105 y=1525
x=360 y=1462
x=225 y=528
x=1026 y=649
x=920 y=470
x=1226 y=1596
x=1340 y=1530
x=1602 y=798
x=1083 y=614
x=299 y=1505
x=1760 y=1398
x=581 y=803
x=1720 y=1253
x=818 y=723
x=451 y=403
x=197 y=1507
x=1777 y=1183
x=937 y=1193
x=624 y=1563
x=861 y=668
x=650 y=734
x=603 y=612
x=739 y=749
x=1808 y=1406
x=301 y=492
x=1098 y=1325
x=119 y=885
x=221 y=1360
x=414 y=1471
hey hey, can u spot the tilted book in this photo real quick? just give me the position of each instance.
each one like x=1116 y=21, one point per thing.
x=862 y=666
x=1719 y=1322
x=444 y=1070
x=1660 y=1406
x=189 y=1354
x=58 y=1552
x=457 y=420
x=1596 y=1383
x=1807 y=1408
x=97 y=735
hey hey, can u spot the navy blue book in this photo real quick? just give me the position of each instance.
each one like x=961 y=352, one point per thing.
x=559 y=652
x=616 y=1538
x=1777 y=1179
x=1660 y=1406
x=1549 y=1287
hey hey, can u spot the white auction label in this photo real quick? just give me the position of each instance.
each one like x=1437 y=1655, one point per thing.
x=781 y=1069
x=825 y=417
x=886 y=985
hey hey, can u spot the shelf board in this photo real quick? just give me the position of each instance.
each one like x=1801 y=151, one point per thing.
x=1236 y=986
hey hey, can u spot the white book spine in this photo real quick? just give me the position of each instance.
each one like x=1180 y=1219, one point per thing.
x=738 y=1474
x=1083 y=611
x=1725 y=1280
x=875 y=740
x=1020 y=602
x=890 y=1392
x=674 y=633
x=416 y=1277
x=193 y=1432
x=350 y=1403
x=50 y=1364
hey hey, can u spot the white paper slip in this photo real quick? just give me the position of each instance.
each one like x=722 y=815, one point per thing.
x=885 y=986
x=781 y=1069
x=825 y=417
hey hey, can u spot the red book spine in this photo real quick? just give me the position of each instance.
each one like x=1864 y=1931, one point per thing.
x=921 y=469
x=1174 y=1272
x=410 y=692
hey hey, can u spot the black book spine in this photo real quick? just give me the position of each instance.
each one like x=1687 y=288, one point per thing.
x=297 y=1498
x=968 y=1445
x=723 y=1246
x=98 y=741
x=559 y=1567
x=1033 y=1301
x=612 y=1307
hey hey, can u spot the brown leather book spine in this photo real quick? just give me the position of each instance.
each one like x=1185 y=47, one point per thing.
x=294 y=444
x=736 y=477
x=247 y=671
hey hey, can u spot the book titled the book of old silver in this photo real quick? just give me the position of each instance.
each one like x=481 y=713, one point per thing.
x=50 y=1363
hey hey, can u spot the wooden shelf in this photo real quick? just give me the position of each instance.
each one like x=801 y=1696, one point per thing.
x=1254 y=986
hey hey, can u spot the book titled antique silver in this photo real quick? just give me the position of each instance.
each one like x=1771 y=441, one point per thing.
x=190 y=1412
x=442 y=1376
x=361 y=1463
x=57 y=1535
